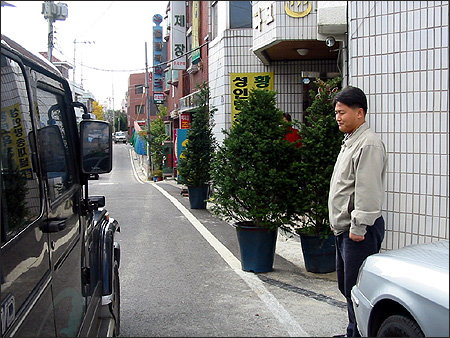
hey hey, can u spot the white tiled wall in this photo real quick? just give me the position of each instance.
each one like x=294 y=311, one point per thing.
x=398 y=54
x=399 y=57
x=231 y=53
x=284 y=27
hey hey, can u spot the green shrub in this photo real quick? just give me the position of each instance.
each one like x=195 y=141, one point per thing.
x=194 y=165
x=256 y=174
x=321 y=142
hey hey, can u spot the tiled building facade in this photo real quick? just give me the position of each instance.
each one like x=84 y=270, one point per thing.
x=396 y=51
x=399 y=56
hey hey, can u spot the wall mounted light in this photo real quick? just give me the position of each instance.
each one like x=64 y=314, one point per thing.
x=303 y=51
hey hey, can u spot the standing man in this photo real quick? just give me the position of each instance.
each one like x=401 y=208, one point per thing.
x=356 y=194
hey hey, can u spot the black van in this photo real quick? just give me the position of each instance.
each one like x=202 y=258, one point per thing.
x=59 y=257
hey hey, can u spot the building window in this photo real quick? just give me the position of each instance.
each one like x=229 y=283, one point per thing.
x=139 y=89
x=139 y=109
x=240 y=14
x=214 y=18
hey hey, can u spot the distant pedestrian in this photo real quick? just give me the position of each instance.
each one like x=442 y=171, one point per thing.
x=292 y=134
x=356 y=194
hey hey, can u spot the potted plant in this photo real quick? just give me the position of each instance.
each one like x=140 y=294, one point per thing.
x=157 y=175
x=194 y=165
x=256 y=178
x=321 y=142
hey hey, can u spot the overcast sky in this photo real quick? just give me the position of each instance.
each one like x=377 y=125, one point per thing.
x=118 y=28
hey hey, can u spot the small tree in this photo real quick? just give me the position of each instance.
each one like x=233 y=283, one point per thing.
x=156 y=139
x=97 y=110
x=321 y=142
x=120 y=121
x=194 y=165
x=256 y=171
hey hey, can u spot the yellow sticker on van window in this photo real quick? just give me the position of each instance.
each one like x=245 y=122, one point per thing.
x=14 y=139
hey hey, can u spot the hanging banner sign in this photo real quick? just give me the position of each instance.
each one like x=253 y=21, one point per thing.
x=195 y=56
x=241 y=83
x=180 y=143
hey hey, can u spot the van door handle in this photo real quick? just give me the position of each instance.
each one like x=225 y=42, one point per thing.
x=53 y=225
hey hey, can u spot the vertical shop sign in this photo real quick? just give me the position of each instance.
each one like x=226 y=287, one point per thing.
x=195 y=31
x=180 y=144
x=158 y=76
x=241 y=83
x=178 y=35
x=185 y=121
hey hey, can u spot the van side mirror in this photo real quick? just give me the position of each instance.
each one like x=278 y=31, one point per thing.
x=96 y=146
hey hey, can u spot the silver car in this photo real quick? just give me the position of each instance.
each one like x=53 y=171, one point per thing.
x=404 y=292
x=120 y=136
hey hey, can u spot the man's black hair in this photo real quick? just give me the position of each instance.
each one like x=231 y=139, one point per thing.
x=287 y=116
x=352 y=97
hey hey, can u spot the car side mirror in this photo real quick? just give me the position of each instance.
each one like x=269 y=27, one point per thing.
x=96 y=146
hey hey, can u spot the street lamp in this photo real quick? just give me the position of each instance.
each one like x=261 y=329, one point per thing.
x=74 y=53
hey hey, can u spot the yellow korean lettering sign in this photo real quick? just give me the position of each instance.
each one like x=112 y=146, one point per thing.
x=241 y=83
x=14 y=139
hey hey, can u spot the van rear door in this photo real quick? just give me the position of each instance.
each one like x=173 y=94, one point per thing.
x=26 y=300
x=61 y=178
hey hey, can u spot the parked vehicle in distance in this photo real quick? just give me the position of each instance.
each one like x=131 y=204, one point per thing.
x=59 y=255
x=404 y=292
x=120 y=136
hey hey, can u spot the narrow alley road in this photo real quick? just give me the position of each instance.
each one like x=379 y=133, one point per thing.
x=180 y=271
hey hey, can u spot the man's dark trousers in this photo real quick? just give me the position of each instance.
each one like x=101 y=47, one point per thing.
x=349 y=257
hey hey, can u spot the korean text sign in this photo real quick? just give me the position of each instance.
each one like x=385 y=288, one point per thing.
x=14 y=139
x=241 y=83
x=178 y=35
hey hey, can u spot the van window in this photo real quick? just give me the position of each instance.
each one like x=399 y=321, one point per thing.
x=21 y=202
x=53 y=146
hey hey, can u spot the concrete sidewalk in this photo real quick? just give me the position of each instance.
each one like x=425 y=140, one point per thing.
x=288 y=244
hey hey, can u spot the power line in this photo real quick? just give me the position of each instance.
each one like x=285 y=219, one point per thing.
x=101 y=69
x=98 y=19
x=140 y=69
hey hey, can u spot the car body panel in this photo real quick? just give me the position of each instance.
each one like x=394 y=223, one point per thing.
x=415 y=277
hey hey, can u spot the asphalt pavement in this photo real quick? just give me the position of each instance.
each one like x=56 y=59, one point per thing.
x=307 y=304
x=288 y=244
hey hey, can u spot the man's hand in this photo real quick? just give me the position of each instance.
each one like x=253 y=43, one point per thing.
x=356 y=238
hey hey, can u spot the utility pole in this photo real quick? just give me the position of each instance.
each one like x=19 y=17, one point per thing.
x=114 y=110
x=147 y=92
x=74 y=54
x=53 y=12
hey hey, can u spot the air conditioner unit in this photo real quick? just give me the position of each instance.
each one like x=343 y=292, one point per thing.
x=192 y=69
x=332 y=17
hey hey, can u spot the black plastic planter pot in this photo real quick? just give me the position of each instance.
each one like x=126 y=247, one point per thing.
x=198 y=196
x=319 y=254
x=257 y=246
